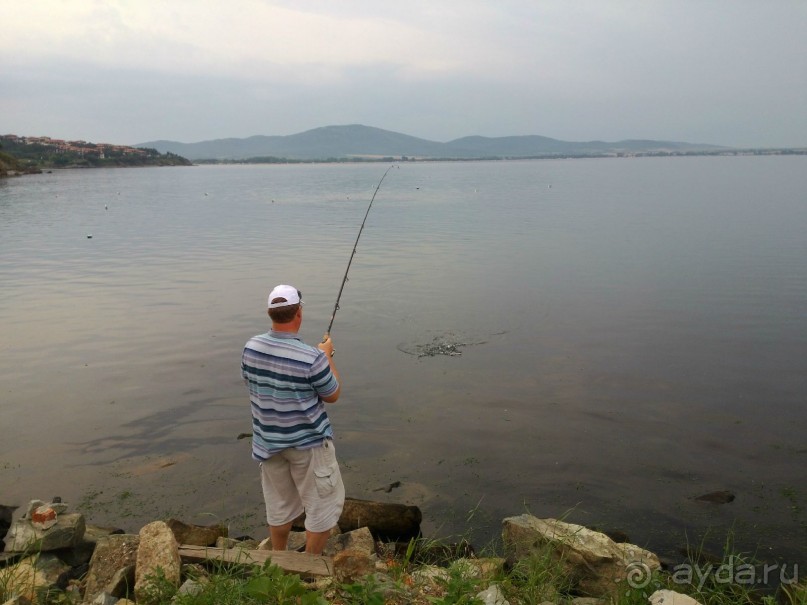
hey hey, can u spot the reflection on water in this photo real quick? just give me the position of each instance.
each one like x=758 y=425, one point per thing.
x=638 y=326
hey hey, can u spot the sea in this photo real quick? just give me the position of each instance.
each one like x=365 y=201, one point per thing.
x=598 y=340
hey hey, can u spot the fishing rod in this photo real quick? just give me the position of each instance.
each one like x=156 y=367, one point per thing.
x=352 y=254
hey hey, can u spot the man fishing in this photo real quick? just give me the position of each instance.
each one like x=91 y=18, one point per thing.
x=289 y=384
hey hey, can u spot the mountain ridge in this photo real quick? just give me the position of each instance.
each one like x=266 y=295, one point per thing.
x=360 y=141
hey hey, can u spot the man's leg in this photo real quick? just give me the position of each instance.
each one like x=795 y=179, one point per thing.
x=315 y=541
x=279 y=535
x=283 y=504
x=319 y=482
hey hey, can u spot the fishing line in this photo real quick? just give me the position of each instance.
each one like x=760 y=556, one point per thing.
x=352 y=254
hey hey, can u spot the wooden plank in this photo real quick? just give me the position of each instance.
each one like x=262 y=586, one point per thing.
x=309 y=566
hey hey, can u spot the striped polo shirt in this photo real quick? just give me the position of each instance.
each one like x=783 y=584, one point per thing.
x=286 y=379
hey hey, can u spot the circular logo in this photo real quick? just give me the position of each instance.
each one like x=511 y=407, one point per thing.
x=638 y=575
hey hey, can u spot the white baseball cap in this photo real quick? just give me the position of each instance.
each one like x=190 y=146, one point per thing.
x=290 y=293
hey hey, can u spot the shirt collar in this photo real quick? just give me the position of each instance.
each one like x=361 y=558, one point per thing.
x=289 y=335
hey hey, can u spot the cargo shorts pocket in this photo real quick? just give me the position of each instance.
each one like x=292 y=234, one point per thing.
x=326 y=469
x=325 y=478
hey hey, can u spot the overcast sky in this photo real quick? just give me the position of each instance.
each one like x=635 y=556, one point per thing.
x=730 y=72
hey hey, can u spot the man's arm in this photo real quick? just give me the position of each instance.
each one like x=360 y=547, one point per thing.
x=326 y=346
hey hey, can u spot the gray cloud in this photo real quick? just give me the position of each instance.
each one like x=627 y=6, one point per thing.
x=719 y=72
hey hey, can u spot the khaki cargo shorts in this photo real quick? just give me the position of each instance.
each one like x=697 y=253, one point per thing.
x=296 y=481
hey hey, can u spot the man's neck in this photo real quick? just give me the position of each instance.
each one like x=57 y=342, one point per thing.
x=289 y=328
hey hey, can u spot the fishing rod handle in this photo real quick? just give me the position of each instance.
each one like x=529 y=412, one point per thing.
x=325 y=339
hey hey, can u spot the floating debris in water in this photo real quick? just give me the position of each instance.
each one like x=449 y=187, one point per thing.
x=720 y=497
x=439 y=346
x=448 y=344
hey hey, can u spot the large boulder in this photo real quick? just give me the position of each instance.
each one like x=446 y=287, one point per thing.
x=112 y=566
x=595 y=564
x=157 y=557
x=66 y=532
x=385 y=520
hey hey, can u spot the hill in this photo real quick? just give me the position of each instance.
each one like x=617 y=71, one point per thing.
x=356 y=141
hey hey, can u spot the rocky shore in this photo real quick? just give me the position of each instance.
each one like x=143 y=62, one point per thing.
x=52 y=555
x=11 y=166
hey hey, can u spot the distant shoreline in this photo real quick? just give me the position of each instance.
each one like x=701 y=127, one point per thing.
x=22 y=170
x=798 y=151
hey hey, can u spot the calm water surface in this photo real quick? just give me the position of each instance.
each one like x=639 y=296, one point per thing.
x=636 y=335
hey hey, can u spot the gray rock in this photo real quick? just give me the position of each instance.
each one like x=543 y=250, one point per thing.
x=93 y=532
x=596 y=565
x=66 y=533
x=357 y=540
x=296 y=541
x=157 y=554
x=32 y=506
x=351 y=565
x=122 y=582
x=233 y=543
x=670 y=597
x=79 y=556
x=190 y=588
x=222 y=542
x=112 y=566
x=430 y=574
x=104 y=599
x=493 y=596
x=196 y=535
x=478 y=569
x=53 y=570
x=60 y=507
